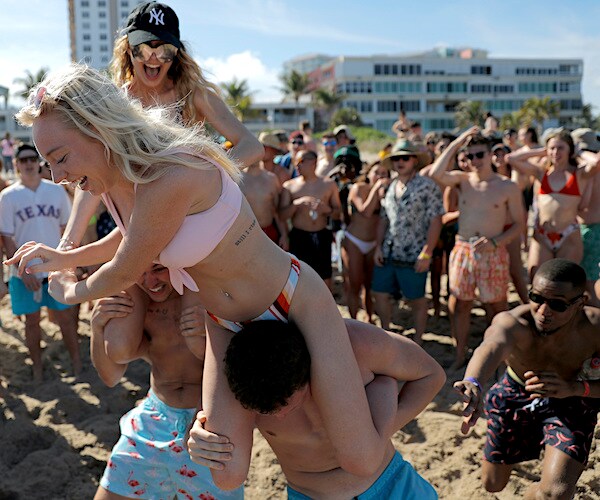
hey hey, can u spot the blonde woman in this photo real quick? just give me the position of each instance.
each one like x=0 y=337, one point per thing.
x=153 y=64
x=175 y=197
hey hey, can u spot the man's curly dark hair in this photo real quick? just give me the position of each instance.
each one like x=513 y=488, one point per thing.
x=266 y=362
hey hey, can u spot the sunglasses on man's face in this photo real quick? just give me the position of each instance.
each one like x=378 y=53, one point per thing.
x=164 y=53
x=329 y=143
x=479 y=155
x=402 y=158
x=557 y=305
x=297 y=143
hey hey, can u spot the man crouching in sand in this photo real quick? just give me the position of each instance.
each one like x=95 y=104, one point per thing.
x=550 y=394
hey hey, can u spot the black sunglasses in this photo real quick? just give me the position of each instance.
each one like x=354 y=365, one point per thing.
x=479 y=154
x=298 y=143
x=28 y=159
x=557 y=305
x=402 y=158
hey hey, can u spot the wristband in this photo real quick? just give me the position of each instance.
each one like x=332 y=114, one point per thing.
x=424 y=256
x=494 y=242
x=586 y=388
x=474 y=381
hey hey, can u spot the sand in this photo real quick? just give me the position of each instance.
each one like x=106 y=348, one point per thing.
x=55 y=437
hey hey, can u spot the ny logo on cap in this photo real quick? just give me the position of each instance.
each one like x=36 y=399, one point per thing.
x=158 y=17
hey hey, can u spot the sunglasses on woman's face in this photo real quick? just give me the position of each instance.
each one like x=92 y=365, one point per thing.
x=557 y=305
x=164 y=53
x=479 y=155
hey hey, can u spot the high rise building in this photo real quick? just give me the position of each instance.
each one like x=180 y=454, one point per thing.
x=429 y=85
x=94 y=25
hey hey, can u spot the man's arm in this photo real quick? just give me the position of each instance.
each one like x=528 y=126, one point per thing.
x=519 y=160
x=395 y=356
x=499 y=341
x=590 y=165
x=439 y=170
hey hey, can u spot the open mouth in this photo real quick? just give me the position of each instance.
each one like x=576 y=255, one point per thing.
x=152 y=72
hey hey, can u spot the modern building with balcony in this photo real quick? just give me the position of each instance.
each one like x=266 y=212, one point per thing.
x=429 y=85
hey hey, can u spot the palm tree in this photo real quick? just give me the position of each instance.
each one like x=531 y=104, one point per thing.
x=30 y=81
x=469 y=113
x=326 y=102
x=514 y=120
x=586 y=119
x=538 y=109
x=295 y=84
x=238 y=97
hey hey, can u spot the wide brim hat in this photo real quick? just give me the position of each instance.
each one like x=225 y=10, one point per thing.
x=152 y=21
x=404 y=147
x=269 y=139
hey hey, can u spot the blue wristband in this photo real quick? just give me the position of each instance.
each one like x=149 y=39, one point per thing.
x=474 y=381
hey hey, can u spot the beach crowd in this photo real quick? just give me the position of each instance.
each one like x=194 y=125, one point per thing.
x=215 y=261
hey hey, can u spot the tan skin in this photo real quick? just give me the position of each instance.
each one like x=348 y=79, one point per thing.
x=262 y=190
x=230 y=288
x=296 y=432
x=307 y=195
x=487 y=201
x=366 y=198
x=147 y=322
x=546 y=349
x=161 y=91
x=556 y=211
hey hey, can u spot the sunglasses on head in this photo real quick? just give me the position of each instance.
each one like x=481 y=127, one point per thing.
x=402 y=158
x=479 y=154
x=28 y=159
x=164 y=53
x=557 y=305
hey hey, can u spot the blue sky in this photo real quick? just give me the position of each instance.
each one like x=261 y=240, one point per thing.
x=250 y=39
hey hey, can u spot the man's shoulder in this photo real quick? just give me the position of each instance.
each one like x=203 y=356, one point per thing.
x=15 y=187
x=516 y=319
x=49 y=186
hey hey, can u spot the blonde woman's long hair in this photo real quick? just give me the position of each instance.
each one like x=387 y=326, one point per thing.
x=184 y=72
x=141 y=143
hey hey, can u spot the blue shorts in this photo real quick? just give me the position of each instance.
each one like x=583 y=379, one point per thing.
x=393 y=278
x=150 y=460
x=398 y=481
x=21 y=299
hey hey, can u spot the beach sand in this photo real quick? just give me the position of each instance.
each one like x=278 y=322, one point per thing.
x=55 y=437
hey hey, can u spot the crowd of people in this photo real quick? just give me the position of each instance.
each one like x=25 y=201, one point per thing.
x=239 y=243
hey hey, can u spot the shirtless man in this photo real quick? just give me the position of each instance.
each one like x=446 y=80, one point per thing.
x=149 y=460
x=262 y=190
x=308 y=201
x=589 y=216
x=286 y=415
x=273 y=148
x=487 y=201
x=550 y=393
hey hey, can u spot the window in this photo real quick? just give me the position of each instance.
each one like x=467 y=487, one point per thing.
x=85 y=26
x=536 y=71
x=481 y=70
x=85 y=14
x=387 y=107
x=102 y=14
x=103 y=48
x=446 y=87
x=537 y=87
x=101 y=3
x=410 y=106
x=571 y=104
x=103 y=36
x=86 y=36
x=477 y=88
x=87 y=48
x=410 y=69
x=85 y=3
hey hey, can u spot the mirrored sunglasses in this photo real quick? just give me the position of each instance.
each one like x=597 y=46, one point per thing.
x=164 y=53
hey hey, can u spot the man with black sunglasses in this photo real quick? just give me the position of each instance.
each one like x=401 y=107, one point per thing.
x=491 y=215
x=550 y=393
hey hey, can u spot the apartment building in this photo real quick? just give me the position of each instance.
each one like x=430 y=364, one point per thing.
x=428 y=85
x=93 y=26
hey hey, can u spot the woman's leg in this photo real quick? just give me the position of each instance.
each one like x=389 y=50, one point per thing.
x=353 y=261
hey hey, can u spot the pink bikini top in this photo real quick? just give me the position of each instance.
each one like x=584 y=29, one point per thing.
x=199 y=233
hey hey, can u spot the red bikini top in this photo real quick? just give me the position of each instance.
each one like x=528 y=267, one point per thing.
x=570 y=188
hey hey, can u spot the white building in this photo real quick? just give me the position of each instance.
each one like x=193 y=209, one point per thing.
x=93 y=26
x=428 y=85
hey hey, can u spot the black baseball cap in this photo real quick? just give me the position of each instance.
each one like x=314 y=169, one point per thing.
x=153 y=21
x=25 y=146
